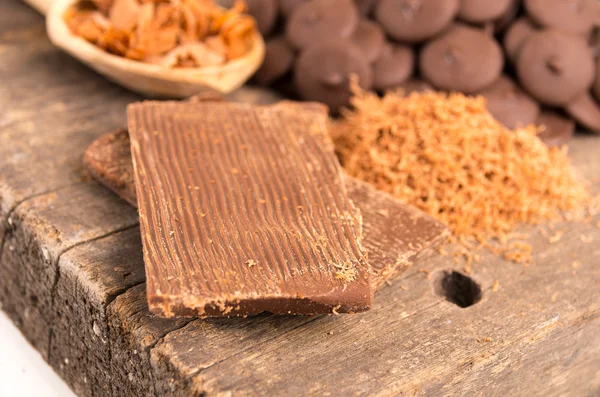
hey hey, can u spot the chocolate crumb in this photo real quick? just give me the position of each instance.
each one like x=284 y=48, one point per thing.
x=426 y=272
x=495 y=286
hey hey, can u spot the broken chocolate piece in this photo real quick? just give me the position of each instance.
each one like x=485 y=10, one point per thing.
x=243 y=210
x=395 y=234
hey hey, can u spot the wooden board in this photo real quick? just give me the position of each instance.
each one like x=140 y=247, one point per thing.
x=71 y=277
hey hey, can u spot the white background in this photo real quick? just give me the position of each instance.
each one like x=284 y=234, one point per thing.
x=23 y=372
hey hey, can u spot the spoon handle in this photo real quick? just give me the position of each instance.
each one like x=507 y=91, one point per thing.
x=41 y=5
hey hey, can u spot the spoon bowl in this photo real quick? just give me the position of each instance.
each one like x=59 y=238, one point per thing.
x=149 y=79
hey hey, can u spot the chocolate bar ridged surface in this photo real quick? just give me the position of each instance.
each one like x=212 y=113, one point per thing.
x=243 y=209
x=394 y=233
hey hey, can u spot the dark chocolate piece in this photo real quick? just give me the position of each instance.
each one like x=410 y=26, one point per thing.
x=556 y=130
x=369 y=39
x=478 y=11
x=509 y=104
x=573 y=16
x=463 y=59
x=315 y=21
x=265 y=12
x=243 y=210
x=414 y=21
x=555 y=67
x=395 y=65
x=586 y=111
x=279 y=59
x=516 y=36
x=394 y=233
x=324 y=69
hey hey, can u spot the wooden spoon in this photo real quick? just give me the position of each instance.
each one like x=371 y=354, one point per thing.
x=148 y=79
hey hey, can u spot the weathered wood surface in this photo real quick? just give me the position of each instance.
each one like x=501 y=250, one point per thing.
x=71 y=277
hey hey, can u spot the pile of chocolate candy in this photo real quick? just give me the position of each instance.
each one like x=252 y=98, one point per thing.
x=534 y=60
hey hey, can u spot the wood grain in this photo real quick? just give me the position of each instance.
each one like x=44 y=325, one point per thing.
x=537 y=335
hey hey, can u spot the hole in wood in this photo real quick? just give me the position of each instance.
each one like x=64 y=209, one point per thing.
x=457 y=288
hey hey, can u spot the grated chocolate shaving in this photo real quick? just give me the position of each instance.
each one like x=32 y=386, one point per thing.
x=446 y=155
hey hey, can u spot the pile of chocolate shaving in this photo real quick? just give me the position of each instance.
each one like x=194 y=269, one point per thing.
x=446 y=155
x=171 y=33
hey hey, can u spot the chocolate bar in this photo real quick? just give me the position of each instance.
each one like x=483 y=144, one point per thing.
x=394 y=233
x=243 y=209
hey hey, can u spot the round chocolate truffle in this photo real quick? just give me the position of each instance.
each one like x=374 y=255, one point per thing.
x=415 y=20
x=369 y=39
x=316 y=21
x=574 y=16
x=265 y=12
x=555 y=67
x=323 y=72
x=510 y=105
x=557 y=130
x=279 y=59
x=479 y=11
x=516 y=36
x=585 y=111
x=394 y=66
x=287 y=7
x=463 y=59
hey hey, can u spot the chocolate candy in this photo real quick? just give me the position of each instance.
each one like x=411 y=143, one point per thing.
x=316 y=21
x=574 y=16
x=509 y=104
x=463 y=59
x=585 y=111
x=555 y=67
x=516 y=36
x=556 y=130
x=323 y=72
x=279 y=59
x=223 y=211
x=414 y=21
x=479 y=11
x=369 y=39
x=394 y=66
